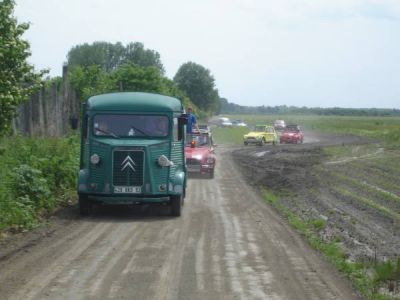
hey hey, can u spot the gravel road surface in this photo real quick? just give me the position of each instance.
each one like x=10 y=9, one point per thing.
x=228 y=244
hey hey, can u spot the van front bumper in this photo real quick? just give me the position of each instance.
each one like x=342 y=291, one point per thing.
x=128 y=199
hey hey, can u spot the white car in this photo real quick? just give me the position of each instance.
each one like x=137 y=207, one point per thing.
x=279 y=125
x=239 y=123
x=226 y=124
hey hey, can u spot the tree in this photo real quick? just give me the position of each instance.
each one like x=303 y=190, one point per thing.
x=93 y=80
x=198 y=84
x=111 y=56
x=130 y=77
x=171 y=89
x=18 y=79
x=90 y=81
x=137 y=54
x=106 y=55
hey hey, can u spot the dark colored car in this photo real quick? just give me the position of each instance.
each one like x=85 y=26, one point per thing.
x=292 y=134
x=199 y=154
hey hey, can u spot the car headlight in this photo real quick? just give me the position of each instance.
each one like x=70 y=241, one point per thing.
x=210 y=160
x=95 y=159
x=163 y=161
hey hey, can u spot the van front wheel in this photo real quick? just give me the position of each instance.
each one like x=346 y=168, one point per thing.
x=176 y=205
x=85 y=206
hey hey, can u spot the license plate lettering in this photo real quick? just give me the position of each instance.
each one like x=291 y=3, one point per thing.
x=128 y=189
x=193 y=168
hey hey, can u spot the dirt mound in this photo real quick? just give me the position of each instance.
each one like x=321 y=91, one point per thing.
x=280 y=168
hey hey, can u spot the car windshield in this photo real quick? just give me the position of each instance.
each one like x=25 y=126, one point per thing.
x=259 y=128
x=200 y=140
x=116 y=125
x=291 y=129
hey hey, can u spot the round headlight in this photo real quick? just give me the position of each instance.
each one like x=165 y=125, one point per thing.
x=95 y=159
x=210 y=160
x=163 y=161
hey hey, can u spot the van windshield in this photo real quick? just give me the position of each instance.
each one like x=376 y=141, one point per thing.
x=130 y=125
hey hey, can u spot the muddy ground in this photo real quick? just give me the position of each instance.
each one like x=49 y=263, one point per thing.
x=352 y=183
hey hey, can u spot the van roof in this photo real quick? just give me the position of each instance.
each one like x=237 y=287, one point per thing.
x=134 y=101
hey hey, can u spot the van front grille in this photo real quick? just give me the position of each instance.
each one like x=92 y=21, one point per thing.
x=128 y=168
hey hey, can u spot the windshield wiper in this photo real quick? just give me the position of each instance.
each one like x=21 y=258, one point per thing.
x=108 y=133
x=137 y=129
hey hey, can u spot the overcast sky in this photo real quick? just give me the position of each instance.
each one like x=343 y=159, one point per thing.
x=311 y=53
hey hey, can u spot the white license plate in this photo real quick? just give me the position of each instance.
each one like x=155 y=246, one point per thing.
x=193 y=168
x=128 y=189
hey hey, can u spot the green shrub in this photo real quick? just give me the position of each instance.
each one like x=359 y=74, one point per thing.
x=14 y=213
x=31 y=188
x=35 y=174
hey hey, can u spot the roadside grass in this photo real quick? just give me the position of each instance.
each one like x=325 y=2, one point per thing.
x=36 y=176
x=373 y=280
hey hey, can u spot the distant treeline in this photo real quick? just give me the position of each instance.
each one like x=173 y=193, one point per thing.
x=232 y=108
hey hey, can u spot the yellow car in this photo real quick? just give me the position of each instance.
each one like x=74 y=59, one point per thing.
x=261 y=135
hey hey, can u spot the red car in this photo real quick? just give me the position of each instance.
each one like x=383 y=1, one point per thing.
x=291 y=134
x=199 y=154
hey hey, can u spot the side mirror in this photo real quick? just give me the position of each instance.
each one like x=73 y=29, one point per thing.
x=182 y=121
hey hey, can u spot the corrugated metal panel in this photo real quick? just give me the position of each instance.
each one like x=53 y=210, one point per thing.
x=97 y=173
x=159 y=174
x=176 y=157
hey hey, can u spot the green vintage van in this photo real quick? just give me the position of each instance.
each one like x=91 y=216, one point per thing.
x=132 y=151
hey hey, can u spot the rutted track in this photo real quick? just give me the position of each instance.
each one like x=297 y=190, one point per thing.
x=227 y=245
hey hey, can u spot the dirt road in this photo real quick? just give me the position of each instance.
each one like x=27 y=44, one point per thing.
x=228 y=244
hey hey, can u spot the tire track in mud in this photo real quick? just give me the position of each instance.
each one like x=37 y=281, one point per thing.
x=353 y=158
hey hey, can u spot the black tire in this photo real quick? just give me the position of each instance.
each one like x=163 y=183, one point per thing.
x=245 y=143
x=176 y=205
x=211 y=174
x=85 y=206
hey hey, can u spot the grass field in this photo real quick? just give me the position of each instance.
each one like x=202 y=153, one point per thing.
x=385 y=129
